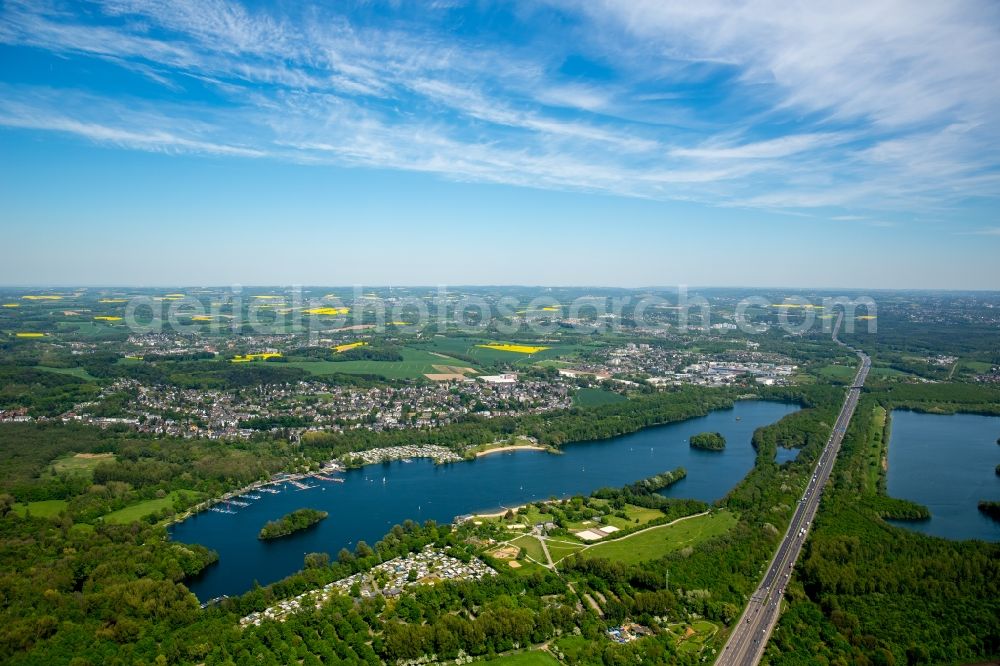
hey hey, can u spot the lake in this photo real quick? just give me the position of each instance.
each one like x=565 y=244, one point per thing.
x=946 y=463
x=373 y=499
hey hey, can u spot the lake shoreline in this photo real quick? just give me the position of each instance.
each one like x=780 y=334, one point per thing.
x=371 y=501
x=515 y=447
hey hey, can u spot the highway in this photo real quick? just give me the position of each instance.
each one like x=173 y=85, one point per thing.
x=746 y=643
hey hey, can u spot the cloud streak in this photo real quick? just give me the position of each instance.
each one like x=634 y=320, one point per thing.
x=877 y=106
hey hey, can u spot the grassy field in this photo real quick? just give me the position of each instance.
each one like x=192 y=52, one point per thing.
x=560 y=549
x=80 y=463
x=533 y=658
x=842 y=372
x=874 y=467
x=415 y=363
x=572 y=647
x=531 y=547
x=515 y=441
x=591 y=397
x=73 y=372
x=143 y=509
x=659 y=541
x=44 y=509
x=530 y=515
x=636 y=515
x=694 y=643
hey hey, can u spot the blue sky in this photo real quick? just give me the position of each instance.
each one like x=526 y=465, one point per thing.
x=533 y=142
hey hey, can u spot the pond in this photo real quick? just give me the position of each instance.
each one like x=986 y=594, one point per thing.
x=947 y=463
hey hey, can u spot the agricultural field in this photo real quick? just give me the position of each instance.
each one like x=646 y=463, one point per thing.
x=514 y=348
x=658 y=541
x=594 y=397
x=488 y=351
x=416 y=363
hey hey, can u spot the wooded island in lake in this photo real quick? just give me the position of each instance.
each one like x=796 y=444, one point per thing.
x=295 y=521
x=709 y=441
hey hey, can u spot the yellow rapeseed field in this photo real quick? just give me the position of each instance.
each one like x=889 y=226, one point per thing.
x=263 y=356
x=29 y=335
x=327 y=311
x=12 y=305
x=47 y=297
x=352 y=345
x=113 y=300
x=508 y=347
x=107 y=318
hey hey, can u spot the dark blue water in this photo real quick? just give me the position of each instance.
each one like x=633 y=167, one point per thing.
x=946 y=463
x=376 y=497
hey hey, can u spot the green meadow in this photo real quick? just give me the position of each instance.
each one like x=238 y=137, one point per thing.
x=140 y=510
x=415 y=363
x=658 y=541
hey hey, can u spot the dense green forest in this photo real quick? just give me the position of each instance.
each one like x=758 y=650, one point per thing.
x=869 y=593
x=290 y=523
x=708 y=441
